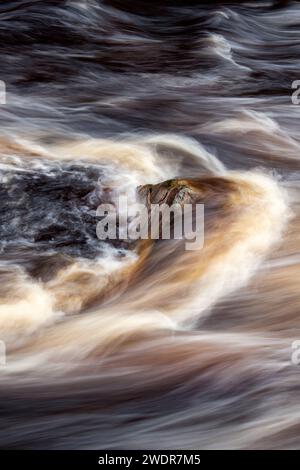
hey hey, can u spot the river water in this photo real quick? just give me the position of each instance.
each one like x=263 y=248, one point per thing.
x=110 y=346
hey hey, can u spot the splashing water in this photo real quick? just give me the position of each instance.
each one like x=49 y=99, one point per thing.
x=119 y=345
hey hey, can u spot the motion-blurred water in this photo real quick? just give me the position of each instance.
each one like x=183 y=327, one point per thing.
x=110 y=345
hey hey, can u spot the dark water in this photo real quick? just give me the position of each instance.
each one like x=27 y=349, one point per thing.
x=110 y=345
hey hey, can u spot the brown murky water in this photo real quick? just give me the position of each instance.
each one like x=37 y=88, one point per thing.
x=117 y=345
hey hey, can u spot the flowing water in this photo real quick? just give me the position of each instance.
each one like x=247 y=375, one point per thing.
x=116 y=345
